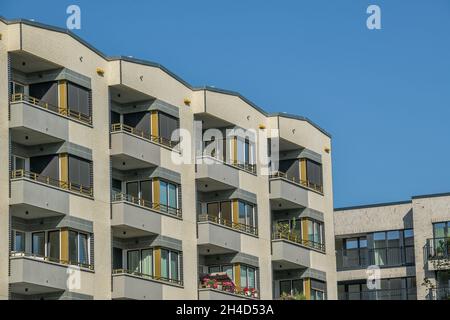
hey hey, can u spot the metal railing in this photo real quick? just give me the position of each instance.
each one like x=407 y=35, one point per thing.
x=298 y=239
x=242 y=166
x=67 y=185
x=37 y=257
x=383 y=257
x=437 y=248
x=120 y=127
x=227 y=223
x=382 y=294
x=296 y=180
x=146 y=204
x=146 y=276
x=20 y=97
x=440 y=293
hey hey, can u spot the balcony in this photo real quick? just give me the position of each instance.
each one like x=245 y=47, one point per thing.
x=218 y=286
x=302 y=183
x=391 y=294
x=137 y=286
x=287 y=194
x=437 y=253
x=31 y=274
x=37 y=178
x=137 y=217
x=352 y=259
x=218 y=236
x=440 y=293
x=214 y=174
x=67 y=113
x=291 y=252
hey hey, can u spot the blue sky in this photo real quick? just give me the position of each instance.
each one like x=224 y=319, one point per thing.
x=384 y=95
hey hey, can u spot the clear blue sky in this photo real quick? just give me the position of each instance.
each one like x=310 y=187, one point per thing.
x=384 y=95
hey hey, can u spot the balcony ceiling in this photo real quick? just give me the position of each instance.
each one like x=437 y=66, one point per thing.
x=28 y=63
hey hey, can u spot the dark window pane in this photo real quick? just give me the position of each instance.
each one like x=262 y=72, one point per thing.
x=213 y=209
x=225 y=208
x=291 y=168
x=133 y=189
x=46 y=92
x=117 y=258
x=138 y=120
x=167 y=125
x=78 y=99
x=285 y=287
x=133 y=261
x=146 y=190
x=115 y=117
x=53 y=245
x=79 y=171
x=297 y=286
x=73 y=246
x=47 y=166
x=117 y=185
x=314 y=172
x=38 y=244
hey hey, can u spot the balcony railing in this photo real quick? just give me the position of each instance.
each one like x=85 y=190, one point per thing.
x=20 y=97
x=390 y=294
x=437 y=249
x=384 y=257
x=292 y=237
x=440 y=293
x=147 y=276
x=37 y=257
x=227 y=223
x=242 y=166
x=297 y=180
x=120 y=127
x=66 y=185
x=116 y=197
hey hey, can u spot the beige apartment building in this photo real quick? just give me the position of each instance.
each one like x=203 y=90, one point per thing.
x=101 y=200
x=408 y=241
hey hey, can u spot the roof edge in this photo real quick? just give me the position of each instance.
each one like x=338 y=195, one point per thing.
x=161 y=67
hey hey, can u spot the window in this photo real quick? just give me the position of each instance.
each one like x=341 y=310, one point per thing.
x=168 y=197
x=18 y=241
x=16 y=88
x=228 y=269
x=79 y=171
x=53 y=245
x=46 y=166
x=78 y=248
x=138 y=120
x=117 y=258
x=17 y=163
x=291 y=287
x=247 y=214
x=170 y=264
x=220 y=210
x=38 y=244
x=133 y=261
x=116 y=186
x=318 y=289
x=314 y=173
x=140 y=261
x=78 y=99
x=147 y=262
x=140 y=190
x=46 y=92
x=167 y=125
x=248 y=277
x=245 y=151
x=315 y=232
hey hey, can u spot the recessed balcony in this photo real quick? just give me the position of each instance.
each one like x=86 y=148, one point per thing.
x=31 y=274
x=136 y=217
x=138 y=286
x=437 y=253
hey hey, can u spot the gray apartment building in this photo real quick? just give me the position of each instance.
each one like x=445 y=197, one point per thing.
x=101 y=200
x=408 y=241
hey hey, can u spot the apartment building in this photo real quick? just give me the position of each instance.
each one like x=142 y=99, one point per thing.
x=408 y=241
x=101 y=200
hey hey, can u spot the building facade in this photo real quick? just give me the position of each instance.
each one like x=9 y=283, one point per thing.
x=101 y=200
x=407 y=243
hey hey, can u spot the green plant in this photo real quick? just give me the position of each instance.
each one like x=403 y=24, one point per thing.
x=295 y=296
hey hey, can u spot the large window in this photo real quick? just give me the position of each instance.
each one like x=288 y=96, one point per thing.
x=38 y=244
x=293 y=226
x=168 y=197
x=140 y=261
x=318 y=290
x=18 y=244
x=78 y=99
x=46 y=92
x=248 y=277
x=315 y=232
x=314 y=173
x=228 y=269
x=245 y=151
x=167 y=125
x=46 y=166
x=220 y=210
x=78 y=248
x=170 y=264
x=53 y=242
x=79 y=171
x=390 y=289
x=291 y=287
x=441 y=234
x=140 y=190
x=138 y=120
x=247 y=214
